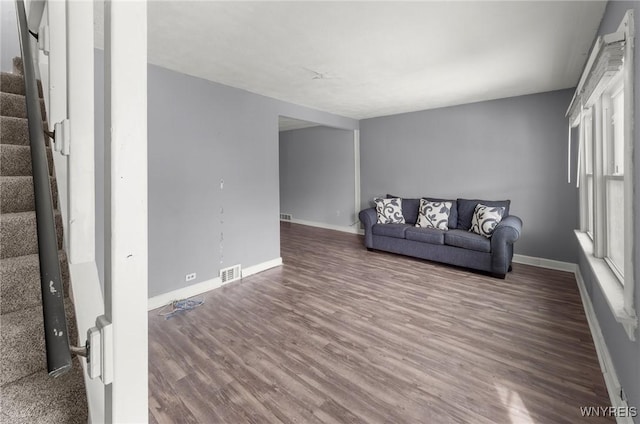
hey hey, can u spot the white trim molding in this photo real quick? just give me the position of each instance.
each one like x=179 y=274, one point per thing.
x=354 y=229
x=544 y=263
x=208 y=285
x=604 y=357
x=356 y=176
x=610 y=285
x=630 y=212
x=255 y=269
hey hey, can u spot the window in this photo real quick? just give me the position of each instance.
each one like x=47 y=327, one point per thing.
x=587 y=124
x=602 y=108
x=613 y=143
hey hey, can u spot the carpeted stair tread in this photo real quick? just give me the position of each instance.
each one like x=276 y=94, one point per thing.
x=22 y=350
x=20 y=277
x=19 y=236
x=27 y=393
x=17 y=65
x=16 y=194
x=15 y=130
x=15 y=160
x=41 y=399
x=14 y=83
x=15 y=105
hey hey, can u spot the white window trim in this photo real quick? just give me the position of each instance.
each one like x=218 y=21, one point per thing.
x=620 y=298
x=609 y=284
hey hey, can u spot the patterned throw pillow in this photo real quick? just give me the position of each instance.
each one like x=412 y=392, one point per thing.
x=389 y=210
x=434 y=214
x=485 y=219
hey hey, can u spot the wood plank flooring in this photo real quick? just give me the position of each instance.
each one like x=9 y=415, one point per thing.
x=343 y=335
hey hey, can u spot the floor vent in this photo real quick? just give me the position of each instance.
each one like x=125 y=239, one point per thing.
x=230 y=274
x=285 y=217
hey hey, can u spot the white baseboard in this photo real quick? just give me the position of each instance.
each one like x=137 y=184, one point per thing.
x=205 y=286
x=353 y=230
x=606 y=363
x=250 y=270
x=544 y=263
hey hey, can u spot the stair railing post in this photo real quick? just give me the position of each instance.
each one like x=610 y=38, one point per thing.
x=126 y=250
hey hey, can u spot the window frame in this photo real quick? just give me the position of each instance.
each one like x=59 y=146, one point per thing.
x=617 y=287
x=589 y=178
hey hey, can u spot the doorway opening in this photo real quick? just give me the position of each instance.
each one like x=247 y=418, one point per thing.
x=319 y=175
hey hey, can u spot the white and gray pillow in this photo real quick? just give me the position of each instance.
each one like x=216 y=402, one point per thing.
x=434 y=214
x=485 y=219
x=389 y=210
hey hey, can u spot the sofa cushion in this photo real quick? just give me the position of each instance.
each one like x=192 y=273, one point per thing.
x=409 y=209
x=453 y=215
x=466 y=208
x=389 y=210
x=425 y=235
x=434 y=214
x=485 y=219
x=390 y=230
x=467 y=240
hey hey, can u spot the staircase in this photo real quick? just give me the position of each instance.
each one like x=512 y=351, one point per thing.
x=27 y=393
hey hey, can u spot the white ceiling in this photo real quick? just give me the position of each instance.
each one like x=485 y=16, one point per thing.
x=367 y=59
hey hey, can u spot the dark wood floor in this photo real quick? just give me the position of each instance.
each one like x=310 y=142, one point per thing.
x=343 y=335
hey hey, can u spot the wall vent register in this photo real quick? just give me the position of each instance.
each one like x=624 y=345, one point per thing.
x=230 y=274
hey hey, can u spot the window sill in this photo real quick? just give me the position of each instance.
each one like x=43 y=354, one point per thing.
x=611 y=288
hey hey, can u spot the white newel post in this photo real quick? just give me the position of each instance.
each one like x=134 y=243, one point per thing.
x=126 y=396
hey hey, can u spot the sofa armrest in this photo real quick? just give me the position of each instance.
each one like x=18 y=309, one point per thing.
x=507 y=231
x=505 y=234
x=368 y=217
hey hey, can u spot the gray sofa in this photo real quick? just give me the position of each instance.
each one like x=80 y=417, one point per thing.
x=455 y=246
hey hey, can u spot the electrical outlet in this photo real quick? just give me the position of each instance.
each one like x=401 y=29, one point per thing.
x=190 y=277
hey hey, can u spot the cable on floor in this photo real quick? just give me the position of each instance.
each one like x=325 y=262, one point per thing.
x=180 y=306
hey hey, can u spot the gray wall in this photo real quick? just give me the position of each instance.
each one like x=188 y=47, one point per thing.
x=514 y=148
x=625 y=354
x=9 y=46
x=317 y=175
x=201 y=132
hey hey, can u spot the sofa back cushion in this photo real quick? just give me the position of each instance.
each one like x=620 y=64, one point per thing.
x=453 y=215
x=434 y=214
x=389 y=211
x=410 y=208
x=466 y=208
x=485 y=219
